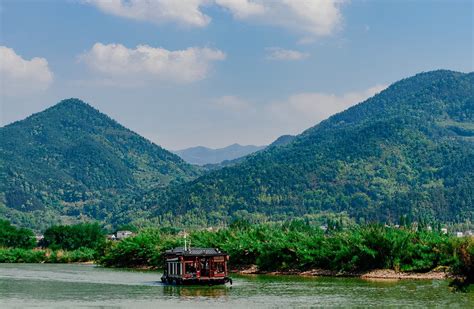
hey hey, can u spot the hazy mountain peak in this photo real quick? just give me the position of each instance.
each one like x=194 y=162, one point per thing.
x=201 y=155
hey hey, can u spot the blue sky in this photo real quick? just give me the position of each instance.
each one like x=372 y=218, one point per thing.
x=216 y=72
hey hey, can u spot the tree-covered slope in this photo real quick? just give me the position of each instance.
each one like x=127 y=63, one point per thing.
x=406 y=151
x=71 y=162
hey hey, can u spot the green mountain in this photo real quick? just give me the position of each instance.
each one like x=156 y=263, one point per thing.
x=71 y=163
x=408 y=151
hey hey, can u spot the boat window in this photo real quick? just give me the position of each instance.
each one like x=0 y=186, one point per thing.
x=190 y=268
x=220 y=267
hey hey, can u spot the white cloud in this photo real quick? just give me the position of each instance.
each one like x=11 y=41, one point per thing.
x=186 y=12
x=242 y=8
x=292 y=115
x=303 y=110
x=317 y=17
x=150 y=63
x=19 y=76
x=311 y=17
x=275 y=53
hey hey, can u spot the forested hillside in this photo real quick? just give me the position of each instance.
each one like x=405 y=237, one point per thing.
x=408 y=151
x=71 y=162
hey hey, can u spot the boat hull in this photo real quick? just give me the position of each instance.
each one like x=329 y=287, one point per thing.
x=196 y=281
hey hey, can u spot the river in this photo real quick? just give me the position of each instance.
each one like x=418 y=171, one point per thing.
x=67 y=285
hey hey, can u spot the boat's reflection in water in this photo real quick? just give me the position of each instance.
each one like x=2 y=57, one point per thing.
x=215 y=291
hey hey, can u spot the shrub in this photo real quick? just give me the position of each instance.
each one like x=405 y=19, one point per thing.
x=18 y=255
x=13 y=237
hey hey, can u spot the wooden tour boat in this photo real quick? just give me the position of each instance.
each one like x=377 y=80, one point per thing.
x=195 y=266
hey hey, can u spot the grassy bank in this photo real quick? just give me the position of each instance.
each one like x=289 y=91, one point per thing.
x=19 y=255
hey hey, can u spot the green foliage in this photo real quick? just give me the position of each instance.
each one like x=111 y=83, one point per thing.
x=18 y=255
x=298 y=245
x=74 y=256
x=464 y=265
x=145 y=249
x=73 y=237
x=301 y=247
x=13 y=237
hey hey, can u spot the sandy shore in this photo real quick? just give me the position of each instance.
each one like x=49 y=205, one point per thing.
x=389 y=274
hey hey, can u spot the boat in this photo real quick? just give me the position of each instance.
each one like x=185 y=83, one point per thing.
x=200 y=266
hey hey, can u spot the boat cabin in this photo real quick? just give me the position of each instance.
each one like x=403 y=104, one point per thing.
x=195 y=266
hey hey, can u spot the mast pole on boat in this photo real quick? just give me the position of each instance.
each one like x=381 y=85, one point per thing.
x=185 y=241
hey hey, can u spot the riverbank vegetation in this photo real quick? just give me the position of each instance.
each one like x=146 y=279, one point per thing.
x=294 y=246
x=18 y=255
x=299 y=246
x=60 y=244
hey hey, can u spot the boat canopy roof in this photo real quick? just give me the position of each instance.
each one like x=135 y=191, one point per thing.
x=180 y=251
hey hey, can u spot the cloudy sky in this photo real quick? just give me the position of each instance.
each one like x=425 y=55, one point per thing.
x=216 y=72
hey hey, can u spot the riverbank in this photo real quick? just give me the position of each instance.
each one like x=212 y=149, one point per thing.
x=441 y=273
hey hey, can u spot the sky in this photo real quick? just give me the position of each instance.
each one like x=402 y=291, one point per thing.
x=217 y=72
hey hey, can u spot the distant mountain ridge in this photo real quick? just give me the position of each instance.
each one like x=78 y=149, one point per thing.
x=408 y=151
x=203 y=155
x=71 y=162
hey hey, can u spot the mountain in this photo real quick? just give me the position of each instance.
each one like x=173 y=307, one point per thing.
x=280 y=141
x=71 y=162
x=408 y=151
x=202 y=155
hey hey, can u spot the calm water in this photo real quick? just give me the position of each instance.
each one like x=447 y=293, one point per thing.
x=66 y=286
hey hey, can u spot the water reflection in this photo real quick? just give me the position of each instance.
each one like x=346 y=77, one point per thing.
x=196 y=291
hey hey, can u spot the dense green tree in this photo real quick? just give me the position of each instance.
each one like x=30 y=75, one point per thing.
x=72 y=237
x=13 y=237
